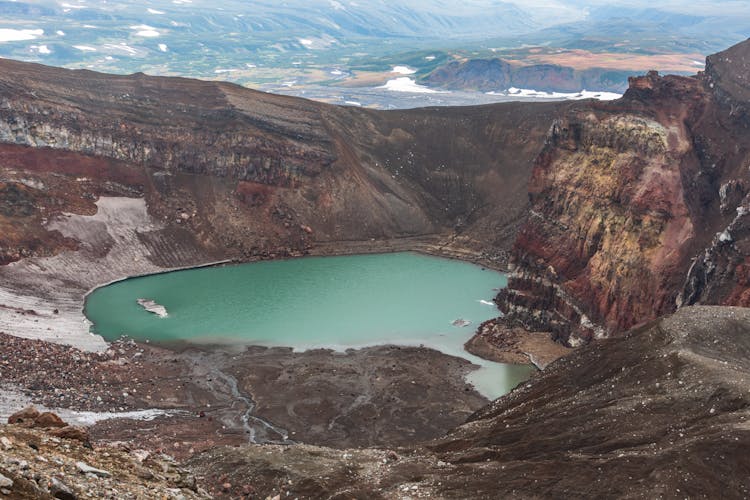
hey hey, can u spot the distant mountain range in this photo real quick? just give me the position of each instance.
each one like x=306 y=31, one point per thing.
x=652 y=29
x=299 y=43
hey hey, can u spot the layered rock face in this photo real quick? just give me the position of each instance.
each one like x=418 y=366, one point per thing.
x=256 y=172
x=638 y=207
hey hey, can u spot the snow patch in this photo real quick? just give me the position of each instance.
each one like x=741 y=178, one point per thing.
x=42 y=49
x=12 y=399
x=145 y=30
x=122 y=47
x=305 y=41
x=163 y=47
x=87 y=418
x=583 y=94
x=154 y=308
x=403 y=70
x=406 y=84
x=85 y=48
x=353 y=103
x=14 y=35
x=154 y=11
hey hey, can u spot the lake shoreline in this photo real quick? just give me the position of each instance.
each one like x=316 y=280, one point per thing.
x=357 y=313
x=44 y=297
x=384 y=396
x=46 y=325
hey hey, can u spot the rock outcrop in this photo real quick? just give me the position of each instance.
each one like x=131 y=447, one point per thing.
x=253 y=171
x=638 y=206
x=39 y=464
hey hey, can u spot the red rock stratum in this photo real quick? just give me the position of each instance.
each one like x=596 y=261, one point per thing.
x=639 y=206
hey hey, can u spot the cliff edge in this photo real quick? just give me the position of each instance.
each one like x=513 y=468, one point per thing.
x=638 y=207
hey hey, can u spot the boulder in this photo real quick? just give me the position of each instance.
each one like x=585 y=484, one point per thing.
x=72 y=432
x=85 y=468
x=6 y=443
x=49 y=419
x=25 y=416
x=5 y=482
x=60 y=490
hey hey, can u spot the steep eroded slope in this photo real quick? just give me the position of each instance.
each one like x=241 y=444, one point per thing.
x=638 y=207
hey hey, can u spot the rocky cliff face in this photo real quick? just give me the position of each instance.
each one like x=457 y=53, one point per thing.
x=496 y=74
x=638 y=207
x=248 y=170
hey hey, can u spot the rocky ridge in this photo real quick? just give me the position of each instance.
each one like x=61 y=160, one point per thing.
x=292 y=163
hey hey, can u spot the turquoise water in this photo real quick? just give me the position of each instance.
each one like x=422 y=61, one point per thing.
x=334 y=302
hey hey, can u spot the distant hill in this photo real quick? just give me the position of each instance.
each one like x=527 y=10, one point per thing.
x=496 y=74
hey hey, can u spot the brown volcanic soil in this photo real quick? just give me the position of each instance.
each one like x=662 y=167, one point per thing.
x=383 y=395
x=367 y=397
x=497 y=341
x=659 y=413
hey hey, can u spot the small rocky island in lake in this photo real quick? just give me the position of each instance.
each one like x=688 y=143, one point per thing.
x=460 y=322
x=152 y=307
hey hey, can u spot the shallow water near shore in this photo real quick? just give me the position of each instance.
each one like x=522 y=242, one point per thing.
x=315 y=302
